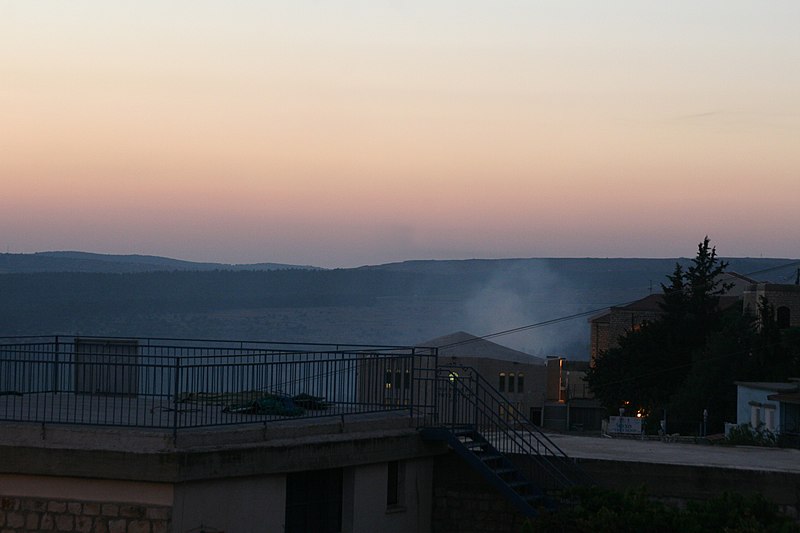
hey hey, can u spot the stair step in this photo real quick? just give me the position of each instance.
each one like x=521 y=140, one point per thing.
x=501 y=471
x=489 y=457
x=514 y=484
x=475 y=444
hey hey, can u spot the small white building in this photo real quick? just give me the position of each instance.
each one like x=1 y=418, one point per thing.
x=755 y=408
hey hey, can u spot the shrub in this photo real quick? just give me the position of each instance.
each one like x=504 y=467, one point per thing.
x=593 y=510
x=746 y=435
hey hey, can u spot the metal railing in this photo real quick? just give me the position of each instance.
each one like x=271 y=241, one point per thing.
x=179 y=383
x=468 y=401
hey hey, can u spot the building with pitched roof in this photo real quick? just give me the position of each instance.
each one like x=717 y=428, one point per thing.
x=521 y=377
x=608 y=326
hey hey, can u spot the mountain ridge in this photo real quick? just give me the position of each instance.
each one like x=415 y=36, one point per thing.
x=77 y=261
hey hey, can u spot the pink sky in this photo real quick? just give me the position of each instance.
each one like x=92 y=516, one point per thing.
x=297 y=132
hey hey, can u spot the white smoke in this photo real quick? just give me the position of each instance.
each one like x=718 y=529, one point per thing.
x=524 y=294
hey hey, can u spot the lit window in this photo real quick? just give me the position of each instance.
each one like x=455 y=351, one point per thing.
x=387 y=380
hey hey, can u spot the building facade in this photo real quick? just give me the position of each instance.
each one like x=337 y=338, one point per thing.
x=784 y=298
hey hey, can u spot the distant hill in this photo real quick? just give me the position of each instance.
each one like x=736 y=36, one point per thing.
x=398 y=303
x=109 y=263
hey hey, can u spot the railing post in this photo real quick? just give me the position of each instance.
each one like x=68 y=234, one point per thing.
x=412 y=377
x=175 y=412
x=55 y=365
x=452 y=379
x=476 y=393
x=436 y=420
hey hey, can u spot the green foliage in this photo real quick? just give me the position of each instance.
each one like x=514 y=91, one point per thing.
x=709 y=385
x=641 y=370
x=652 y=362
x=688 y=360
x=745 y=435
x=593 y=510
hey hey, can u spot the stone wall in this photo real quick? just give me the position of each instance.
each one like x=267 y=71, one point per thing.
x=18 y=515
x=465 y=502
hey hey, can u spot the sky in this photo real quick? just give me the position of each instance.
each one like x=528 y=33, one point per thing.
x=347 y=133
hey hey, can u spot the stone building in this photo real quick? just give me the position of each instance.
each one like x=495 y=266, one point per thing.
x=784 y=298
x=607 y=327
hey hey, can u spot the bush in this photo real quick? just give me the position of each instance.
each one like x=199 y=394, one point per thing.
x=746 y=435
x=593 y=510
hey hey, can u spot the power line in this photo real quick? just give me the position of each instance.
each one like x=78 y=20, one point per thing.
x=770 y=269
x=583 y=314
x=533 y=326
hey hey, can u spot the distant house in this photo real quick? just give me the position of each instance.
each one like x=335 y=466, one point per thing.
x=551 y=393
x=785 y=298
x=521 y=377
x=608 y=326
x=770 y=405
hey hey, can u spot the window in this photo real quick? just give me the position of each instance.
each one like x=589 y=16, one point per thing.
x=501 y=386
x=536 y=415
x=520 y=382
x=395 y=483
x=783 y=317
x=387 y=379
x=769 y=417
x=511 y=382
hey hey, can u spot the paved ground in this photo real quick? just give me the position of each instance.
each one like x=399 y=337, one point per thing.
x=638 y=451
x=151 y=412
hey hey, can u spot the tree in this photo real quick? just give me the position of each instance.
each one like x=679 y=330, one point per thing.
x=652 y=362
x=704 y=286
x=675 y=300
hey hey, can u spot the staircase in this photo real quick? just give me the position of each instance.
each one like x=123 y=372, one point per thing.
x=485 y=430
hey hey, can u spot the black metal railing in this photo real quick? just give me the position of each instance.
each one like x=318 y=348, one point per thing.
x=467 y=400
x=179 y=383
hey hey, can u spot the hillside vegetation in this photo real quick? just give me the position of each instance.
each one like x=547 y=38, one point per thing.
x=403 y=303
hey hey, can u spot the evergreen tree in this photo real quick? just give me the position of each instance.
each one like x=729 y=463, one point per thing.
x=704 y=289
x=675 y=301
x=652 y=363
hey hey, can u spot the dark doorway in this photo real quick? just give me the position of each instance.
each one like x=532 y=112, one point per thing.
x=314 y=501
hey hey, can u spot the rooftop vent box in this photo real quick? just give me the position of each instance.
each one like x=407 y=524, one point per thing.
x=107 y=366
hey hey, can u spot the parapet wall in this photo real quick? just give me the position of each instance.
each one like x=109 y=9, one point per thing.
x=464 y=502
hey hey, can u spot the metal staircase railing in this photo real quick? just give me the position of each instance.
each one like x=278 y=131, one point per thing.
x=468 y=405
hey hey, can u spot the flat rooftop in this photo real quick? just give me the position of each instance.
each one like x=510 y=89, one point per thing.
x=677 y=453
